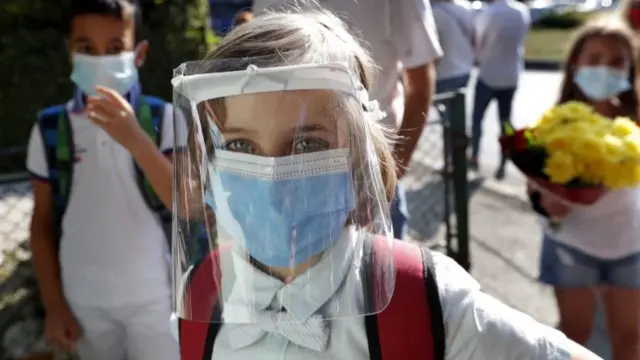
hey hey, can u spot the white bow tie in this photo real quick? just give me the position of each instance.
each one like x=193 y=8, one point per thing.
x=312 y=334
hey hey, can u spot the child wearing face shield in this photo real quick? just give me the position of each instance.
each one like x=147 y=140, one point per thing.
x=101 y=166
x=293 y=176
x=594 y=252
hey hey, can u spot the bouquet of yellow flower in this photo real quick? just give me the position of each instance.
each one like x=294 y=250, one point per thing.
x=577 y=153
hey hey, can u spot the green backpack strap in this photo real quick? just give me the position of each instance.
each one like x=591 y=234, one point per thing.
x=57 y=137
x=150 y=116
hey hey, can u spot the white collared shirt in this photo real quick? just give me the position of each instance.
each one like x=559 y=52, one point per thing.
x=401 y=34
x=456 y=32
x=501 y=30
x=477 y=326
x=113 y=250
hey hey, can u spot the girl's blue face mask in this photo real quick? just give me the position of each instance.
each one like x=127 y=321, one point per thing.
x=282 y=210
x=117 y=72
x=600 y=83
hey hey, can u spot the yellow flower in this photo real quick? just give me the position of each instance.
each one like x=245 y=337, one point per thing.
x=588 y=147
x=557 y=141
x=560 y=167
x=623 y=127
x=613 y=148
x=574 y=110
x=631 y=146
x=584 y=145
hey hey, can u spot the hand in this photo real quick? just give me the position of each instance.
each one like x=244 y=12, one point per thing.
x=556 y=208
x=113 y=113
x=62 y=328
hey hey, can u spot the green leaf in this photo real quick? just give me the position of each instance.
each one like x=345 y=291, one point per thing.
x=508 y=129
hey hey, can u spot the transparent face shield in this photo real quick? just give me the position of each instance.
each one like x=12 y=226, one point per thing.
x=280 y=210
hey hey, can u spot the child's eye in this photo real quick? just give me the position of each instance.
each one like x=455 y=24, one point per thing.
x=306 y=145
x=115 y=49
x=85 y=49
x=242 y=146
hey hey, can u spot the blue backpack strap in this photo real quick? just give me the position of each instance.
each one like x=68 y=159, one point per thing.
x=57 y=137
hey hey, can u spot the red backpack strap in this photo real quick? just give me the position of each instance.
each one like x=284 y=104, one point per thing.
x=197 y=338
x=412 y=325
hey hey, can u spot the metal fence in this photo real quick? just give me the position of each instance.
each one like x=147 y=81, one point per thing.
x=20 y=311
x=436 y=184
x=437 y=195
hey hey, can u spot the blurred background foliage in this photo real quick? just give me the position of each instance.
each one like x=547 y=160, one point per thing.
x=34 y=66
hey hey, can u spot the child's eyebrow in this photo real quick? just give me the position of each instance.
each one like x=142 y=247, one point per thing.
x=82 y=39
x=117 y=40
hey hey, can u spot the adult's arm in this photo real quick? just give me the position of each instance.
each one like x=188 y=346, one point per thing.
x=420 y=50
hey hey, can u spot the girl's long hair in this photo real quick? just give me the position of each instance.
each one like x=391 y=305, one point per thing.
x=612 y=28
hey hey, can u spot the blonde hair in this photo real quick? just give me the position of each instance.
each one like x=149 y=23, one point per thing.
x=311 y=37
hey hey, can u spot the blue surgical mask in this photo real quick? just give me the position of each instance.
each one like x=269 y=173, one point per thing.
x=601 y=82
x=118 y=72
x=282 y=210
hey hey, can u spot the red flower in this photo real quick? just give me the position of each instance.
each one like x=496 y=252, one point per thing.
x=519 y=140
x=515 y=142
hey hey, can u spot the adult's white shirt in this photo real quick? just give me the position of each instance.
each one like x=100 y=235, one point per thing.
x=501 y=30
x=456 y=31
x=401 y=34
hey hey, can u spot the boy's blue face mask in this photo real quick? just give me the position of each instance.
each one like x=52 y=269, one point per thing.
x=280 y=220
x=118 y=72
x=601 y=82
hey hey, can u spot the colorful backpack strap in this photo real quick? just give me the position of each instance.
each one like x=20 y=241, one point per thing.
x=415 y=293
x=197 y=338
x=150 y=117
x=57 y=137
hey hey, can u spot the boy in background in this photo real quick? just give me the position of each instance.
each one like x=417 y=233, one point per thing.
x=101 y=167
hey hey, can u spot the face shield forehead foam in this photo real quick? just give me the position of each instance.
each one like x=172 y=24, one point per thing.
x=278 y=195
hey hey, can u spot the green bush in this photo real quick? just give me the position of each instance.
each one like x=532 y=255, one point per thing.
x=35 y=68
x=562 y=20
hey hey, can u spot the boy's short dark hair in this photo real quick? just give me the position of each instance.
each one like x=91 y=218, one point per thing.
x=119 y=9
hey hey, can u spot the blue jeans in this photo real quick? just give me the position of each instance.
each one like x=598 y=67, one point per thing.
x=399 y=213
x=566 y=267
x=452 y=83
x=482 y=98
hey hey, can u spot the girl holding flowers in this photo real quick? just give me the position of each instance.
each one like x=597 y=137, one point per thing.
x=595 y=250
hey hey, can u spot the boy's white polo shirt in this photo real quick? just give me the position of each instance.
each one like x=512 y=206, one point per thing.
x=113 y=249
